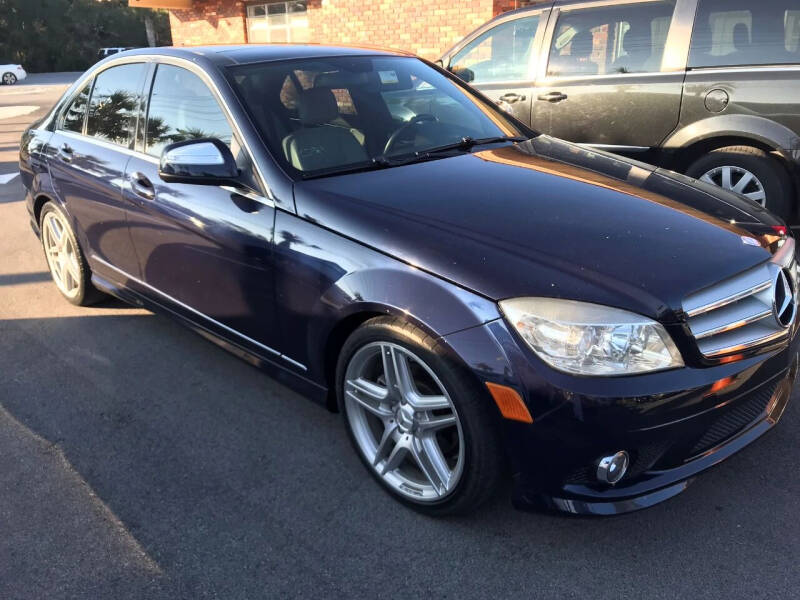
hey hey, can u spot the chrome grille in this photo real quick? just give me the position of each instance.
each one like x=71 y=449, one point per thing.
x=739 y=313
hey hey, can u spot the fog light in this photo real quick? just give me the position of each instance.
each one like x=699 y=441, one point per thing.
x=612 y=468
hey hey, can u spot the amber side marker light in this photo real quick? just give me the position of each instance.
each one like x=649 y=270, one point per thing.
x=510 y=403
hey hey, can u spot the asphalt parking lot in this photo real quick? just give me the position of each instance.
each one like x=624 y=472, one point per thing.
x=137 y=460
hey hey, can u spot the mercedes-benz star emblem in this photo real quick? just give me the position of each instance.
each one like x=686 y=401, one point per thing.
x=784 y=304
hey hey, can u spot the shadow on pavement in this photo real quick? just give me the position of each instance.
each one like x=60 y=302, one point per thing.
x=236 y=487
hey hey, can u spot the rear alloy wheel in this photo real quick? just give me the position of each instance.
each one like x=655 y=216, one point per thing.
x=65 y=260
x=9 y=79
x=739 y=180
x=749 y=172
x=420 y=427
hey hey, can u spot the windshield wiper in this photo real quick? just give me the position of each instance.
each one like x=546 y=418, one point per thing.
x=384 y=162
x=372 y=165
x=467 y=143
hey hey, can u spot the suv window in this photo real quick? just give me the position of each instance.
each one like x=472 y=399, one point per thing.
x=500 y=54
x=114 y=104
x=72 y=119
x=628 y=38
x=734 y=32
x=182 y=108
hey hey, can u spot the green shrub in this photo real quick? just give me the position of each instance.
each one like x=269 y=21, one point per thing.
x=65 y=35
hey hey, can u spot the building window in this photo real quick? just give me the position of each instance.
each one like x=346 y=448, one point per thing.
x=278 y=22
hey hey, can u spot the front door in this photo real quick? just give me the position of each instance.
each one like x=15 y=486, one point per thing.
x=203 y=249
x=607 y=78
x=501 y=60
x=90 y=155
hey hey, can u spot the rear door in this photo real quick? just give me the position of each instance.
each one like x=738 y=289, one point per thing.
x=612 y=73
x=202 y=248
x=91 y=147
x=745 y=60
x=500 y=60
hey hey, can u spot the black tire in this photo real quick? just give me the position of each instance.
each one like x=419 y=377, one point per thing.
x=86 y=294
x=484 y=464
x=9 y=79
x=772 y=175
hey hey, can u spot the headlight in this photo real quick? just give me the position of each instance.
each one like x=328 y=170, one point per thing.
x=589 y=339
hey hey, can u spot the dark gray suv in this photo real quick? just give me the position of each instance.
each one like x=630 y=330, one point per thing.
x=710 y=88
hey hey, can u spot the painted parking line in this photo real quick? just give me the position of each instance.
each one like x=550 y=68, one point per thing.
x=7 y=178
x=8 y=112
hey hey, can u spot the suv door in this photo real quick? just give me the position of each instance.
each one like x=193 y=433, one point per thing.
x=612 y=75
x=205 y=251
x=91 y=147
x=743 y=81
x=500 y=60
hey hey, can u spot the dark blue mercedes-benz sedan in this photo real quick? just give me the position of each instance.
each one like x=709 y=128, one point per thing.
x=476 y=299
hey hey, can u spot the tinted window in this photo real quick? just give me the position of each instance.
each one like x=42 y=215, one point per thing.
x=114 y=104
x=630 y=38
x=499 y=54
x=72 y=119
x=738 y=32
x=182 y=108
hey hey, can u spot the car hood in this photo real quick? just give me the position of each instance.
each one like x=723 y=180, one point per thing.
x=549 y=218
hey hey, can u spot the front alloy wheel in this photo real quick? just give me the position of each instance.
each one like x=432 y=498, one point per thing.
x=422 y=423
x=9 y=79
x=404 y=421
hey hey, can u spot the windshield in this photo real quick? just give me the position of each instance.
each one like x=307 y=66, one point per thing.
x=328 y=115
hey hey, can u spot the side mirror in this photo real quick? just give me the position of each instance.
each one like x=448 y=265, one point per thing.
x=464 y=74
x=203 y=161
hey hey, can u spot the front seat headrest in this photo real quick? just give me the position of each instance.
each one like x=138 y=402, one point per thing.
x=317 y=106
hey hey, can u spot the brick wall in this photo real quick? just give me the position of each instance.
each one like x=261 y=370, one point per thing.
x=209 y=22
x=425 y=27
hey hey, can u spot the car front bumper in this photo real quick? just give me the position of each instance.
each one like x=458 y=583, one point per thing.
x=674 y=424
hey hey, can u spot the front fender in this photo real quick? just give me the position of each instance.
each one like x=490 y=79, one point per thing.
x=325 y=281
x=759 y=129
x=434 y=305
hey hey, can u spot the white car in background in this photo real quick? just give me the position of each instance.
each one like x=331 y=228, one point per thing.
x=11 y=74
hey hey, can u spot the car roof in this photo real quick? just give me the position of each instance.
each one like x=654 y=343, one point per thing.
x=249 y=53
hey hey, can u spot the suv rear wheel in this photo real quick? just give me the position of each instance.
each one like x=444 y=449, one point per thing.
x=749 y=172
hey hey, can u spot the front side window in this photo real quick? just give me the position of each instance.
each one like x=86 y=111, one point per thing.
x=182 y=108
x=72 y=119
x=278 y=22
x=114 y=104
x=499 y=54
x=628 y=38
x=737 y=32
x=322 y=115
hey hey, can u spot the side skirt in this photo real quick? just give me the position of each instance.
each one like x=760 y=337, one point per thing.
x=140 y=297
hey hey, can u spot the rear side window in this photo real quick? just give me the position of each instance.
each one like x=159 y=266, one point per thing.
x=114 y=104
x=739 y=32
x=502 y=53
x=628 y=38
x=182 y=108
x=72 y=119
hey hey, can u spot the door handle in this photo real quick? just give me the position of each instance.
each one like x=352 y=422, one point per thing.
x=141 y=185
x=65 y=152
x=511 y=97
x=553 y=97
